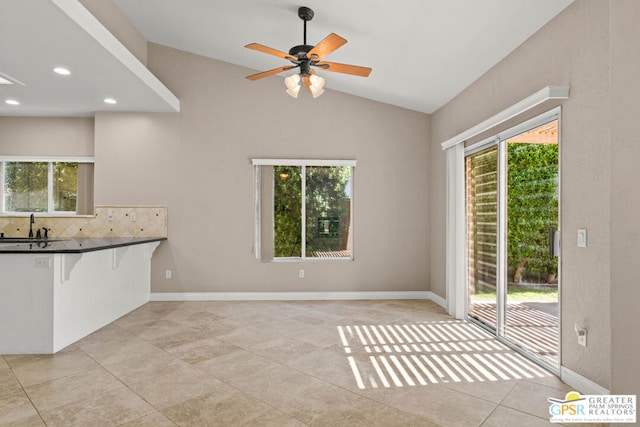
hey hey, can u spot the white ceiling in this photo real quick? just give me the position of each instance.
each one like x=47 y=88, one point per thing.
x=423 y=52
x=38 y=35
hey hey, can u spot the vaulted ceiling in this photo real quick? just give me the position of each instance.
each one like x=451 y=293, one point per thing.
x=423 y=52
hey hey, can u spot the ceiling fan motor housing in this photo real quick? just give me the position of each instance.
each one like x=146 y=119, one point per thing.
x=300 y=51
x=305 y=68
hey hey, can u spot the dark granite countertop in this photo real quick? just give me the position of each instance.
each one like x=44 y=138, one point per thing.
x=72 y=245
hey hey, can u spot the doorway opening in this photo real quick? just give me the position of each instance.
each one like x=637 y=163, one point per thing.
x=512 y=198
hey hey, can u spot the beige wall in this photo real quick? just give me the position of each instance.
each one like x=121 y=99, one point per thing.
x=573 y=49
x=625 y=196
x=197 y=162
x=46 y=136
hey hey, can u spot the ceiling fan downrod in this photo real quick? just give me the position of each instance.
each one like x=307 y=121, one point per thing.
x=306 y=14
x=300 y=51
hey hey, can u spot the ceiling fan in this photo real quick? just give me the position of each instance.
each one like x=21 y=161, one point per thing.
x=305 y=57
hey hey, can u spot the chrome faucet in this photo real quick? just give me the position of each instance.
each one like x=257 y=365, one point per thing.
x=32 y=220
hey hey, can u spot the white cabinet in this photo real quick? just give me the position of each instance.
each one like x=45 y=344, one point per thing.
x=50 y=300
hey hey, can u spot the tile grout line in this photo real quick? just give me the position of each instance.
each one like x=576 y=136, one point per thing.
x=35 y=408
x=376 y=402
x=158 y=410
x=286 y=362
x=204 y=373
x=521 y=411
x=87 y=398
x=286 y=367
x=488 y=416
x=499 y=404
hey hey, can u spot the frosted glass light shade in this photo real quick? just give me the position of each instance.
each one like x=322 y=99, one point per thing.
x=316 y=81
x=293 y=91
x=315 y=92
x=292 y=81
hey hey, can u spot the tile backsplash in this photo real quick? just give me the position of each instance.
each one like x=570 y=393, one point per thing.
x=126 y=221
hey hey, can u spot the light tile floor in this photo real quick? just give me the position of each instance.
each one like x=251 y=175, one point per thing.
x=325 y=363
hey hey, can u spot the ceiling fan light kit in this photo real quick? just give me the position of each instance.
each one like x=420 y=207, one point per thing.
x=317 y=85
x=292 y=84
x=305 y=57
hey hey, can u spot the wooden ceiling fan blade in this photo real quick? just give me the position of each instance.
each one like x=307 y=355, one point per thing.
x=325 y=47
x=345 y=68
x=271 y=51
x=270 y=72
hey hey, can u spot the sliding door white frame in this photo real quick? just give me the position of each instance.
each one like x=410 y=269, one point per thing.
x=456 y=233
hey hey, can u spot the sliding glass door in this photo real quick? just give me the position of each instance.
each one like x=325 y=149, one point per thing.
x=512 y=193
x=482 y=236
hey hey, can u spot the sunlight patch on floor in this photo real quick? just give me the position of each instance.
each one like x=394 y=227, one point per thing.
x=422 y=353
x=531 y=328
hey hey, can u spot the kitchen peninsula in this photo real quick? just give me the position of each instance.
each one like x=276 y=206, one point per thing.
x=55 y=292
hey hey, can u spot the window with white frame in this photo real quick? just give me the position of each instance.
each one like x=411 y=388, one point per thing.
x=304 y=209
x=53 y=186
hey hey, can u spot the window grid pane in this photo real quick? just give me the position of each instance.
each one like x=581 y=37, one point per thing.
x=328 y=211
x=25 y=186
x=65 y=186
x=287 y=211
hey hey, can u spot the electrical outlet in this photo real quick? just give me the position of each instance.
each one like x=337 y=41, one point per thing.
x=43 y=262
x=167 y=274
x=132 y=215
x=582 y=237
x=301 y=274
x=110 y=215
x=582 y=338
x=581 y=332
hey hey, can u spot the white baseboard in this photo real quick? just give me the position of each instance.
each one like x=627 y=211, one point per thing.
x=437 y=299
x=294 y=296
x=580 y=383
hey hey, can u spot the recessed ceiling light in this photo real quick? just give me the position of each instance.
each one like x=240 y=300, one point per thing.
x=62 y=71
x=110 y=101
x=12 y=102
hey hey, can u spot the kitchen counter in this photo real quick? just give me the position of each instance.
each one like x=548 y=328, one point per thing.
x=53 y=295
x=72 y=245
